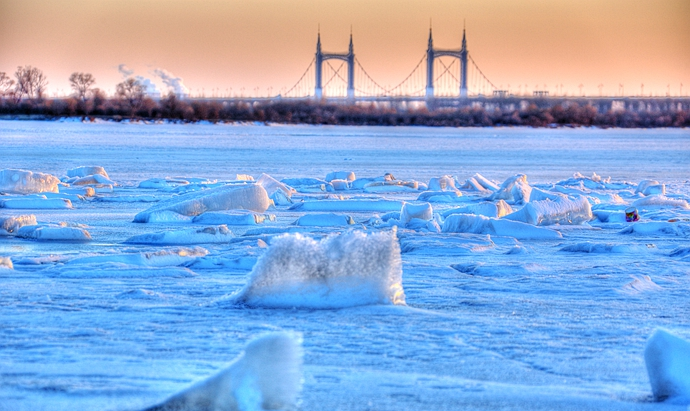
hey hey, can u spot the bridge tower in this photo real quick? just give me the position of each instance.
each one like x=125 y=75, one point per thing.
x=348 y=57
x=432 y=53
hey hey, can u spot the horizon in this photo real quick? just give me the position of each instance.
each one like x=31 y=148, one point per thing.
x=570 y=48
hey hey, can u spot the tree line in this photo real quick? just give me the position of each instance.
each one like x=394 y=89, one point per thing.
x=25 y=95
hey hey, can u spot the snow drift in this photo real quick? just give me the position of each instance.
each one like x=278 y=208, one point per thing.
x=27 y=182
x=565 y=210
x=668 y=364
x=266 y=376
x=346 y=270
x=250 y=197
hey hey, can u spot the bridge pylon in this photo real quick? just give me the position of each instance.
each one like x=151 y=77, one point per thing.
x=348 y=57
x=432 y=54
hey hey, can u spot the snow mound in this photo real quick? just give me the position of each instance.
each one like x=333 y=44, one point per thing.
x=485 y=208
x=668 y=364
x=250 y=197
x=10 y=225
x=477 y=224
x=163 y=258
x=349 y=205
x=340 y=175
x=514 y=190
x=346 y=270
x=422 y=211
x=660 y=201
x=565 y=210
x=27 y=182
x=640 y=284
x=239 y=217
x=206 y=235
x=266 y=376
x=324 y=220
x=85 y=171
x=53 y=232
x=601 y=248
x=6 y=263
x=36 y=203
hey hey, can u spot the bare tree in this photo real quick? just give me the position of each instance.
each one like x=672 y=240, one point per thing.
x=131 y=92
x=81 y=84
x=30 y=82
x=6 y=84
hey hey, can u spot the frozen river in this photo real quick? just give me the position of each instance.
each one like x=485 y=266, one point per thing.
x=491 y=321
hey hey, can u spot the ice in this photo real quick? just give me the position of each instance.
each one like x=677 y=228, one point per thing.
x=344 y=270
x=565 y=210
x=163 y=183
x=304 y=181
x=660 y=201
x=644 y=185
x=267 y=375
x=496 y=209
x=667 y=357
x=324 y=220
x=602 y=248
x=340 y=175
x=658 y=228
x=422 y=211
x=278 y=192
x=6 y=263
x=206 y=235
x=479 y=183
x=395 y=186
x=169 y=257
x=16 y=181
x=85 y=171
x=444 y=183
x=10 y=225
x=340 y=185
x=95 y=180
x=441 y=197
x=238 y=217
x=640 y=284
x=250 y=197
x=594 y=182
x=348 y=205
x=514 y=190
x=35 y=203
x=53 y=232
x=478 y=224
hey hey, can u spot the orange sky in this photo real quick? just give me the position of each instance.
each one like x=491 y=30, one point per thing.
x=224 y=44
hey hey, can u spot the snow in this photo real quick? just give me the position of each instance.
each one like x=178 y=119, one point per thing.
x=250 y=197
x=478 y=224
x=345 y=270
x=29 y=203
x=10 y=225
x=15 y=181
x=53 y=232
x=660 y=201
x=444 y=183
x=514 y=190
x=324 y=220
x=266 y=375
x=667 y=357
x=490 y=322
x=340 y=175
x=422 y=211
x=486 y=208
x=211 y=234
x=565 y=210
x=85 y=171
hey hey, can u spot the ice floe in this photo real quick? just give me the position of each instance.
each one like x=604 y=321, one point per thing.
x=344 y=270
x=35 y=203
x=514 y=190
x=564 y=210
x=53 y=232
x=238 y=217
x=348 y=205
x=16 y=181
x=205 y=235
x=340 y=175
x=324 y=220
x=478 y=224
x=496 y=209
x=10 y=225
x=667 y=357
x=168 y=257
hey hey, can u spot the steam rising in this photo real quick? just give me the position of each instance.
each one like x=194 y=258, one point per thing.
x=175 y=84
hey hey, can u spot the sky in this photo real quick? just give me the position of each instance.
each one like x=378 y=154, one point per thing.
x=262 y=47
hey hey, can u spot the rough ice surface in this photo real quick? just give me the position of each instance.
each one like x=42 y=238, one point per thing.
x=324 y=220
x=345 y=270
x=340 y=175
x=490 y=322
x=10 y=225
x=480 y=183
x=514 y=190
x=667 y=357
x=486 y=208
x=478 y=224
x=53 y=232
x=23 y=203
x=250 y=197
x=661 y=201
x=17 y=181
x=266 y=376
x=238 y=217
x=211 y=234
x=565 y=210
x=422 y=211
x=85 y=171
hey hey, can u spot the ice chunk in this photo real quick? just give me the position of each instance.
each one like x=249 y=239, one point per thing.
x=85 y=171
x=163 y=258
x=485 y=208
x=340 y=185
x=345 y=270
x=266 y=376
x=668 y=364
x=441 y=196
x=657 y=228
x=252 y=197
x=10 y=225
x=479 y=183
x=162 y=183
x=477 y=224
x=445 y=183
x=565 y=210
x=26 y=182
x=594 y=182
x=660 y=201
x=93 y=180
x=602 y=248
x=217 y=234
x=395 y=186
x=296 y=182
x=349 y=205
x=340 y=175
x=644 y=184
x=238 y=217
x=422 y=211
x=53 y=232
x=324 y=220
x=29 y=203
x=277 y=191
x=6 y=263
x=539 y=195
x=514 y=190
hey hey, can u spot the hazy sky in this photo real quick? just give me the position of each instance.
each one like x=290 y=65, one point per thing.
x=224 y=44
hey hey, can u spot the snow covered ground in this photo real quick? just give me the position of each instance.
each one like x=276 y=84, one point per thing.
x=523 y=287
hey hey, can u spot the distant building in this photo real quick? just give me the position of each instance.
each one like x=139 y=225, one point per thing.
x=501 y=93
x=540 y=93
